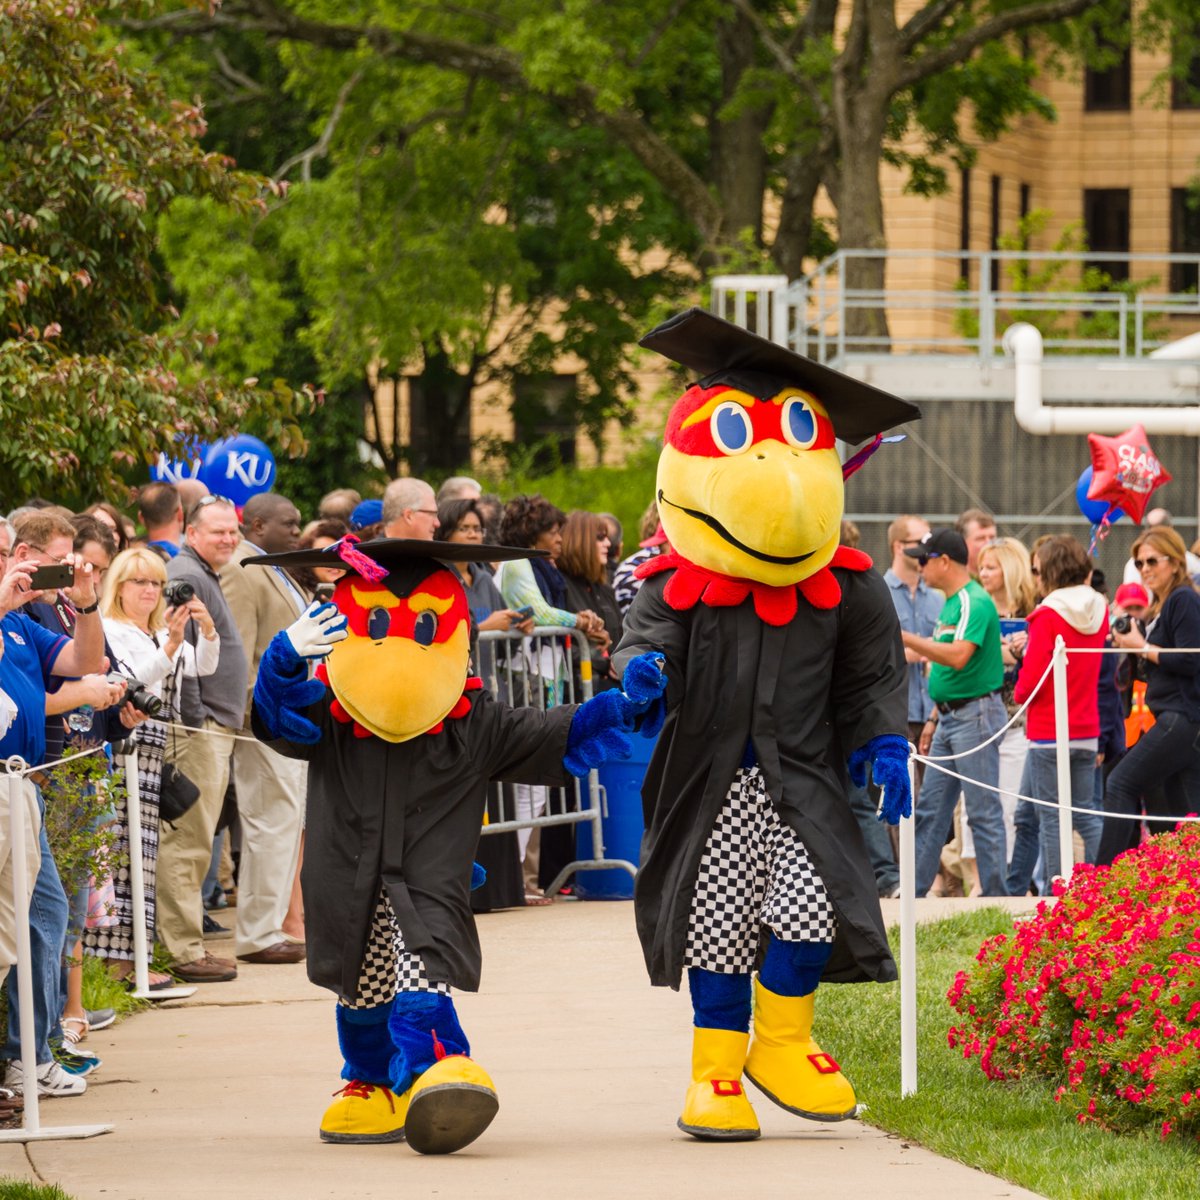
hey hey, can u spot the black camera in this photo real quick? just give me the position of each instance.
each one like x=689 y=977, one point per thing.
x=138 y=694
x=1127 y=621
x=177 y=592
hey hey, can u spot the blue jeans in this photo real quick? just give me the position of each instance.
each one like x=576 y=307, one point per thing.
x=875 y=835
x=1037 y=827
x=48 y=916
x=959 y=731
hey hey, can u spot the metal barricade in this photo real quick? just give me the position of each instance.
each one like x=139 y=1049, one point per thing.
x=540 y=671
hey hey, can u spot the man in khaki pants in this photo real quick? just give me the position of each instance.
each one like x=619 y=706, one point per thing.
x=214 y=707
x=270 y=788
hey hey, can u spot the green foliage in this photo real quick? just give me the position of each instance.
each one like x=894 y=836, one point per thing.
x=81 y=796
x=91 y=153
x=1014 y=1130
x=12 y=1188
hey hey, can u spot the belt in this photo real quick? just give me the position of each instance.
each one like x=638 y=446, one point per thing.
x=949 y=706
x=38 y=777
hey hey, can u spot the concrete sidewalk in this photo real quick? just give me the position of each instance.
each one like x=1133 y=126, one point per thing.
x=218 y=1097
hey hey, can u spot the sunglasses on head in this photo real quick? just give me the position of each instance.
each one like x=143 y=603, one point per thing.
x=1139 y=563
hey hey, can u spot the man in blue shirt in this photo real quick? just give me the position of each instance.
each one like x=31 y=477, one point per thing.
x=31 y=655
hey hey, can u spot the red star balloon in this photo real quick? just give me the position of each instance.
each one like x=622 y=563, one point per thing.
x=1125 y=471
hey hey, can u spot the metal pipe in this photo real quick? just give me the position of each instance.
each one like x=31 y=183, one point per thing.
x=1062 y=753
x=908 y=942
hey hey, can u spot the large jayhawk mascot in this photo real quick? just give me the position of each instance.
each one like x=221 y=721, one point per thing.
x=783 y=660
x=401 y=743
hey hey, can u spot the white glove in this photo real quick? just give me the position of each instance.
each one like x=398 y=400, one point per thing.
x=316 y=631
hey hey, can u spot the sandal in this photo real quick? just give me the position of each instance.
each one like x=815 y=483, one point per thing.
x=74 y=1030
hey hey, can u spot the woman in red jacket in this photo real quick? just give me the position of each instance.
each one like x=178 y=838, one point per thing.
x=1070 y=608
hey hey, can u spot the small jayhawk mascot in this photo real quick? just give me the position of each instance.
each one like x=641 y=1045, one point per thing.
x=401 y=743
x=784 y=669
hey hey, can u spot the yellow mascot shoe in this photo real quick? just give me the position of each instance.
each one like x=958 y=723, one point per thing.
x=716 y=1108
x=449 y=1106
x=365 y=1113
x=787 y=1066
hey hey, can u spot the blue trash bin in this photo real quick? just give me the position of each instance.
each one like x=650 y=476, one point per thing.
x=622 y=827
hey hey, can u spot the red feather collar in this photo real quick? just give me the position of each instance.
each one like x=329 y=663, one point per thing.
x=691 y=584
x=462 y=706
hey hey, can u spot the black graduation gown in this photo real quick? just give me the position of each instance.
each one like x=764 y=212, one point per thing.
x=807 y=694
x=407 y=816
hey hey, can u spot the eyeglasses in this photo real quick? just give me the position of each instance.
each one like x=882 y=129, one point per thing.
x=42 y=550
x=472 y=530
x=1148 y=562
x=429 y=512
x=204 y=501
x=910 y=541
x=156 y=584
x=923 y=561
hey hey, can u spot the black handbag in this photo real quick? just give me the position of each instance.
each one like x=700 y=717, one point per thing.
x=176 y=795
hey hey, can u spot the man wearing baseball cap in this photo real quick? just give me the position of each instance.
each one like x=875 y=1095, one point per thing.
x=965 y=677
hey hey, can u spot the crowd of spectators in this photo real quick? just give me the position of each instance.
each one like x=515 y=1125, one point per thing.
x=143 y=646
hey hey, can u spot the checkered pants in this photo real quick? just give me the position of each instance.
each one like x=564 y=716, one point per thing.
x=388 y=968
x=755 y=871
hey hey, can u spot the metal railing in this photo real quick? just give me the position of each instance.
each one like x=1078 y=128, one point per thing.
x=960 y=302
x=540 y=671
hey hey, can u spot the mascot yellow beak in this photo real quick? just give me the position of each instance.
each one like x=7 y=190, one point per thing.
x=751 y=487
x=403 y=667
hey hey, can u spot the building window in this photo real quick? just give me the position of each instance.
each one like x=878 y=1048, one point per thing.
x=1026 y=201
x=1106 y=222
x=1185 y=88
x=1185 y=238
x=1109 y=90
x=964 y=226
x=543 y=414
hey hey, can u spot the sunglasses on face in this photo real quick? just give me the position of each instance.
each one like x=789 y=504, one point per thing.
x=923 y=560
x=1139 y=563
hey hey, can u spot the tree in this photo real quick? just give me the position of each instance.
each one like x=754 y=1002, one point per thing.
x=741 y=109
x=91 y=379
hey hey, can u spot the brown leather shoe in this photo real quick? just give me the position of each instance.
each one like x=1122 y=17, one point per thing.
x=208 y=969
x=281 y=952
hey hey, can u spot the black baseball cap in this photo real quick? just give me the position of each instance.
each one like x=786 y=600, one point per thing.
x=941 y=543
x=723 y=353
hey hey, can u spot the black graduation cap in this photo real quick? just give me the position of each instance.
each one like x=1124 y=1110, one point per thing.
x=407 y=560
x=721 y=352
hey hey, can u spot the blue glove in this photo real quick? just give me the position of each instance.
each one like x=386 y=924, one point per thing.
x=283 y=692
x=601 y=726
x=478 y=877
x=888 y=756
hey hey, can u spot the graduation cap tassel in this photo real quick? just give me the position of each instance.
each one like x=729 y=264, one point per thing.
x=368 y=568
x=858 y=460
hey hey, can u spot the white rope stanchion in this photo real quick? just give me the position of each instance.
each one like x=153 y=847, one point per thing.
x=31 y=1130
x=137 y=888
x=908 y=941
x=1062 y=760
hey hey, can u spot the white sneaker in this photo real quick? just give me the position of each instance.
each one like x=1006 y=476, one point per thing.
x=52 y=1080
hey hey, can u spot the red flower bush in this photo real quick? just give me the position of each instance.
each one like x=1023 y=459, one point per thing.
x=1099 y=992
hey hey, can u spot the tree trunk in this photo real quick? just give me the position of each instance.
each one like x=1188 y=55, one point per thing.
x=739 y=160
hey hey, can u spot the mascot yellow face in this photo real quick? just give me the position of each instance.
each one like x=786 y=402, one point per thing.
x=404 y=664
x=749 y=486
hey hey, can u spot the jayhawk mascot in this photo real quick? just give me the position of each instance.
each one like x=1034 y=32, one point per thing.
x=784 y=669
x=401 y=743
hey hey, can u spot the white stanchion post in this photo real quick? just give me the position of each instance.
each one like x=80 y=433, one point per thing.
x=1062 y=748
x=908 y=943
x=137 y=890
x=31 y=1130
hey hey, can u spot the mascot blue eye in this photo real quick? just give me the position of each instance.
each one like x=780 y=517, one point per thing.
x=799 y=423
x=379 y=621
x=731 y=429
x=425 y=628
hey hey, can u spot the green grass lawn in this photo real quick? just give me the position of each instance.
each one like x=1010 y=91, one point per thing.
x=1014 y=1131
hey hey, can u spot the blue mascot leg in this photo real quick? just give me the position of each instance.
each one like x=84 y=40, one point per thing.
x=451 y=1098
x=785 y=1062
x=366 y=1110
x=716 y=1107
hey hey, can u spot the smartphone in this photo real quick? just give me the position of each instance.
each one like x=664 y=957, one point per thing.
x=1011 y=625
x=52 y=578
x=524 y=612
x=323 y=591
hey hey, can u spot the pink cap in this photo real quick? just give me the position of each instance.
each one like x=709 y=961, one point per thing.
x=657 y=538
x=1132 y=593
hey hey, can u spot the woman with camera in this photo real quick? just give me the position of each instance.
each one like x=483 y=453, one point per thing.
x=1164 y=765
x=147 y=638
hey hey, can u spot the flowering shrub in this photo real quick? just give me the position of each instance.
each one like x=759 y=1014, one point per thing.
x=1099 y=992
